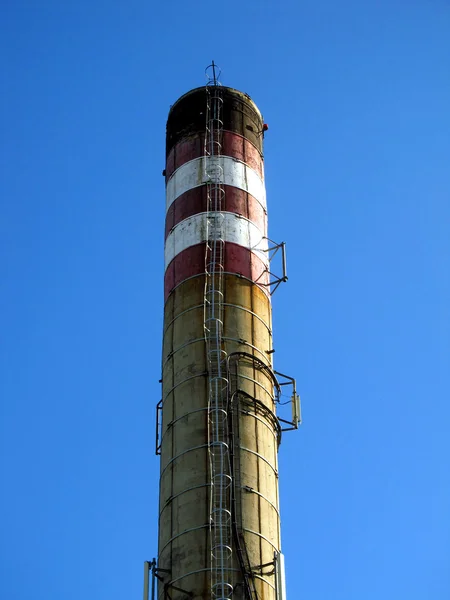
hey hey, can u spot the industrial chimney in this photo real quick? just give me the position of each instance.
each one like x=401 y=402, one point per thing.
x=217 y=429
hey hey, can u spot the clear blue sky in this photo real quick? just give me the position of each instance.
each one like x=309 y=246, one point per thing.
x=357 y=97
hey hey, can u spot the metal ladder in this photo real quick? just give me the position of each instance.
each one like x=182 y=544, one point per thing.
x=219 y=452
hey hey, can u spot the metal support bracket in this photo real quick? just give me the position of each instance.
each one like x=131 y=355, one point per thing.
x=272 y=250
x=295 y=402
x=156 y=572
x=259 y=568
x=158 y=439
x=150 y=566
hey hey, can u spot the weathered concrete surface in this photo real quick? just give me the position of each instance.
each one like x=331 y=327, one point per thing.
x=184 y=492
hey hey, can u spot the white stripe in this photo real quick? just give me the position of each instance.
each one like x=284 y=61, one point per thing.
x=230 y=172
x=235 y=229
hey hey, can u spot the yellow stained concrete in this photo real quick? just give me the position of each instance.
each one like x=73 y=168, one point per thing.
x=184 y=485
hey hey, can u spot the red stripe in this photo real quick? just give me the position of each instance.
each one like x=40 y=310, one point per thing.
x=233 y=144
x=236 y=201
x=238 y=260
